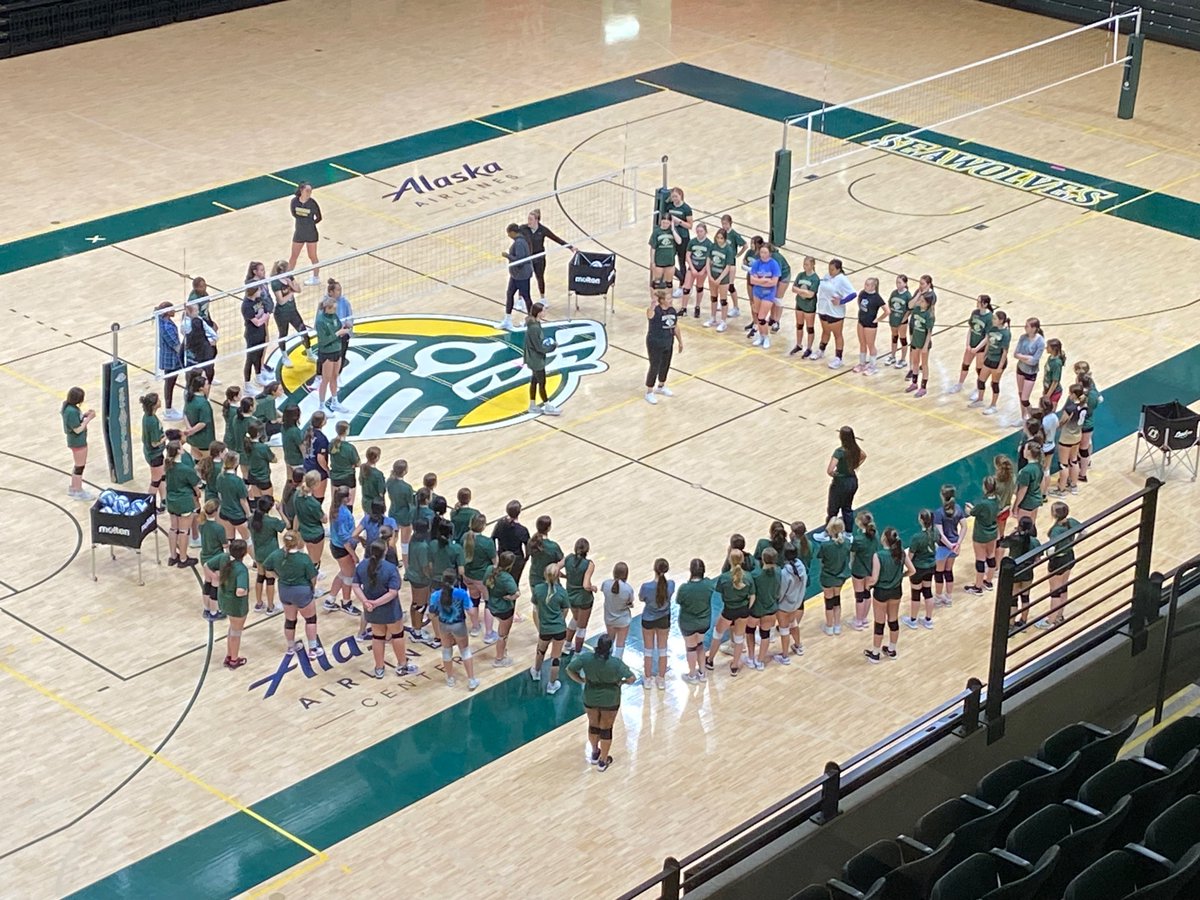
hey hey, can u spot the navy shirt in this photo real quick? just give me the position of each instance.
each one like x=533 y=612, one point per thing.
x=868 y=308
x=320 y=445
x=661 y=327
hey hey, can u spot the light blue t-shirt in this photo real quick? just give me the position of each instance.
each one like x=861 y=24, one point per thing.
x=460 y=602
x=341 y=526
x=652 y=612
x=769 y=269
x=371 y=529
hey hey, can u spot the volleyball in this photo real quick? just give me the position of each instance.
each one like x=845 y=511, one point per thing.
x=108 y=499
x=549 y=345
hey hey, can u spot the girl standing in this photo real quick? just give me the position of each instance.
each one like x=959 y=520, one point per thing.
x=618 y=602
x=502 y=596
x=510 y=535
x=462 y=514
x=543 y=552
x=984 y=534
x=297 y=580
x=656 y=624
x=330 y=331
x=306 y=214
x=948 y=520
x=266 y=409
x=922 y=553
x=535 y=355
x=920 y=331
x=888 y=568
x=805 y=288
x=1083 y=375
x=793 y=582
x=995 y=358
x=736 y=243
x=661 y=333
x=419 y=574
x=341 y=547
x=257 y=306
x=696 y=264
x=170 y=349
x=259 y=457
x=897 y=302
x=310 y=517
x=449 y=605
x=1021 y=542
x=663 y=240
x=765 y=607
x=834 y=556
x=722 y=263
x=833 y=294
x=1006 y=486
x=694 y=598
x=182 y=499
x=231 y=491
x=264 y=537
x=286 y=314
x=401 y=504
x=229 y=412
x=1027 y=497
x=1052 y=385
x=737 y=593
x=212 y=544
x=977 y=329
x=233 y=591
x=1062 y=538
x=374 y=485
x=601 y=675
x=479 y=553
x=680 y=216
x=578 y=570
x=343 y=458
x=1070 y=435
x=153 y=443
x=316 y=453
x=843 y=470
x=198 y=415
x=870 y=304
x=550 y=605
x=536 y=234
x=377 y=587
x=1028 y=354
x=863 y=547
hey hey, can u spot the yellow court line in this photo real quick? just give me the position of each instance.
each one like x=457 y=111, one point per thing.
x=223 y=206
x=1142 y=159
x=1178 y=714
x=313 y=862
x=157 y=757
x=492 y=125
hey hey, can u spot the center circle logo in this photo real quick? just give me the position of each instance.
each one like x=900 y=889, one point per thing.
x=417 y=375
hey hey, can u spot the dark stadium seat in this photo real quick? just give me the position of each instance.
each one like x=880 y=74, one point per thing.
x=813 y=892
x=1038 y=783
x=1097 y=748
x=1079 y=832
x=1124 y=875
x=995 y=876
x=1151 y=786
x=909 y=881
x=1176 y=830
x=867 y=866
x=973 y=822
x=1171 y=744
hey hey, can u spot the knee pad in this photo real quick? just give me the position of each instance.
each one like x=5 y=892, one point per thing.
x=1084 y=454
x=261 y=579
x=378 y=637
x=1074 y=461
x=915 y=595
x=967 y=367
x=592 y=729
x=446 y=654
x=724 y=303
x=811 y=331
x=739 y=638
x=862 y=596
x=289 y=624
x=155 y=484
x=893 y=625
x=649 y=655
x=991 y=563
x=78 y=470
x=879 y=628
x=832 y=603
x=927 y=593
x=1058 y=592
x=948 y=578
x=310 y=620
x=764 y=633
x=979 y=566
x=270 y=581
x=980 y=384
x=749 y=631
x=466 y=654
x=662 y=653
x=903 y=341
x=937 y=577
x=554 y=661
x=762 y=321
x=605 y=734
x=1024 y=404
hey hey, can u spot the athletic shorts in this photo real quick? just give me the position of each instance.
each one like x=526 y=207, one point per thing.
x=688 y=632
x=349 y=481
x=870 y=326
x=237 y=520
x=883 y=595
x=455 y=629
x=657 y=624
x=156 y=461
x=298 y=595
x=502 y=616
x=920 y=576
x=1028 y=376
x=1003 y=515
x=604 y=708
x=1056 y=396
x=323 y=358
x=314 y=541
x=738 y=612
x=557 y=636
x=1059 y=564
x=943 y=553
x=338 y=552
x=264 y=485
x=829 y=320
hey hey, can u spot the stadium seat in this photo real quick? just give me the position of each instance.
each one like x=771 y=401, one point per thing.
x=1124 y=875
x=973 y=822
x=909 y=881
x=1097 y=748
x=1171 y=744
x=813 y=892
x=1079 y=832
x=1151 y=787
x=869 y=865
x=1038 y=783
x=995 y=876
x=1176 y=830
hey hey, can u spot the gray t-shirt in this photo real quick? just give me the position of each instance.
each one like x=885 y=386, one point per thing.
x=652 y=612
x=1030 y=346
x=618 y=606
x=519 y=251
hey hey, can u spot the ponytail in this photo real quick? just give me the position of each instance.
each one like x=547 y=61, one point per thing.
x=948 y=503
x=261 y=508
x=661 y=568
x=620 y=573
x=237 y=550
x=343 y=429
x=604 y=645
x=891 y=540
x=446 y=595
x=477 y=522
x=736 y=574
x=375 y=552
x=866 y=522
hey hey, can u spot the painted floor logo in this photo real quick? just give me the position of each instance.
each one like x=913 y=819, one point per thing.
x=410 y=376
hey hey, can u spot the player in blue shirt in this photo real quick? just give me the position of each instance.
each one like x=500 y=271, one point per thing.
x=764 y=279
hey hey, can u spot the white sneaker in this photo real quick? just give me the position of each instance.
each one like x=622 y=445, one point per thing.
x=502 y=663
x=534 y=408
x=766 y=342
x=708 y=323
x=286 y=361
x=664 y=391
x=990 y=411
x=506 y=323
x=450 y=681
x=1014 y=423
x=927 y=623
x=720 y=327
x=217 y=381
x=337 y=407
x=835 y=363
x=899 y=364
x=172 y=415
x=871 y=370
x=312 y=280
x=553 y=687
x=85 y=495
x=548 y=410
x=974 y=395
x=735 y=313
x=472 y=683
x=194 y=542
x=490 y=638
x=264 y=378
x=954 y=389
x=535 y=673
x=909 y=621
x=251 y=389
x=758 y=341
x=975 y=404
x=677 y=293
x=651 y=399
x=660 y=683
x=837 y=629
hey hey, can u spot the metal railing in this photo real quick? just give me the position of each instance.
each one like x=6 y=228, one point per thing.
x=1183 y=578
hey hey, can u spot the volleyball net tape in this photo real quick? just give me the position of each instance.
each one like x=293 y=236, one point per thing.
x=427 y=271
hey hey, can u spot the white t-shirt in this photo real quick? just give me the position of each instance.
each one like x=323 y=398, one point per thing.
x=830 y=291
x=1050 y=428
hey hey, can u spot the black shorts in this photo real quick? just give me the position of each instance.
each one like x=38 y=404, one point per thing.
x=732 y=615
x=604 y=708
x=323 y=358
x=657 y=624
x=1056 y=565
x=870 y=326
x=350 y=481
x=315 y=541
x=829 y=320
x=263 y=485
x=338 y=552
x=1028 y=376
x=920 y=576
x=688 y=632
x=560 y=636
x=504 y=616
x=883 y=595
x=237 y=520
x=156 y=461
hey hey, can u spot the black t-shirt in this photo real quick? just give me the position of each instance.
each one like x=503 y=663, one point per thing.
x=868 y=307
x=661 y=327
x=307 y=214
x=510 y=536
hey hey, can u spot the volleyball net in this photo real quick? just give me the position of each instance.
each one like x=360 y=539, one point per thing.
x=421 y=272
x=825 y=136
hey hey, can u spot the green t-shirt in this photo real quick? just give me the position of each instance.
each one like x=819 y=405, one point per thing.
x=446 y=556
x=292 y=568
x=292 y=439
x=732 y=596
x=372 y=485
x=308 y=518
x=1052 y=374
x=461 y=520
x=695 y=605
x=342 y=460
x=227 y=588
x=766 y=591
x=812 y=281
x=923 y=549
x=237 y=436
x=229 y=413
x=481 y=559
x=152 y=438
x=979 y=323
x=260 y=461
x=698 y=252
x=834 y=558
x=898 y=307
x=920 y=324
x=198 y=411
x=329 y=342
x=736 y=241
x=1030 y=475
x=663 y=242
x=266 y=539
x=265 y=409
x=505 y=586
x=574 y=568
x=602 y=679
x=862 y=553
x=231 y=491
x=550 y=553
x=721 y=258
x=182 y=481
x=998 y=340
x=785 y=270
x=984 y=513
x=72 y=418
x=419 y=572
x=842 y=469
x=891 y=573
x=212 y=539
x=401 y=501
x=550 y=607
x=682 y=212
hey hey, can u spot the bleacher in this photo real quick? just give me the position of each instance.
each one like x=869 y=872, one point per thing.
x=1170 y=21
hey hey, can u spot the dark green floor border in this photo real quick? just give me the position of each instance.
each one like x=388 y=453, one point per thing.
x=1168 y=213
x=236 y=853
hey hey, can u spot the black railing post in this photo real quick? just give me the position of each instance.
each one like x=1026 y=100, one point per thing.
x=1147 y=597
x=970 y=711
x=670 y=882
x=831 y=794
x=1001 y=619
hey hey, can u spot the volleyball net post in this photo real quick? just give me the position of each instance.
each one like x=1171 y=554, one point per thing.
x=1133 y=70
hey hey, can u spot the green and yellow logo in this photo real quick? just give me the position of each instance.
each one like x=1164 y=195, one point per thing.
x=408 y=376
